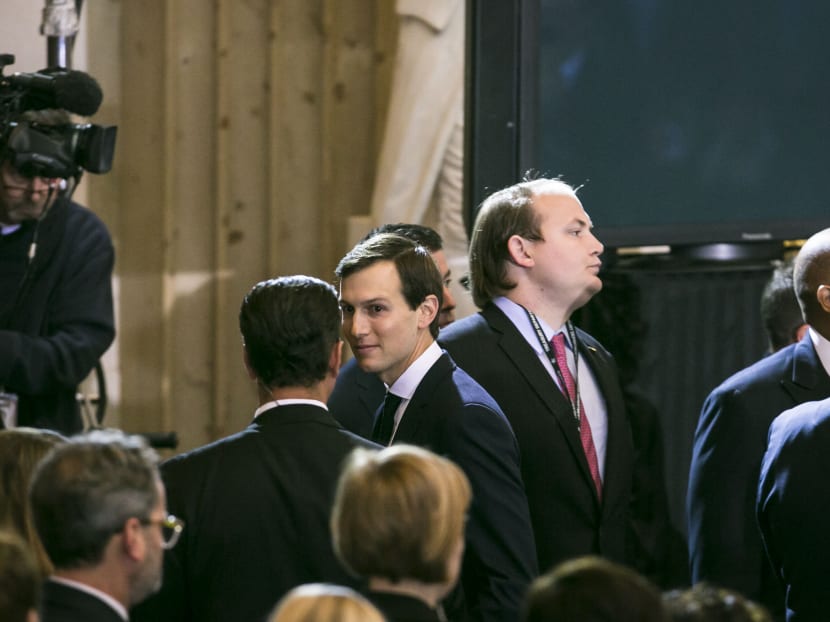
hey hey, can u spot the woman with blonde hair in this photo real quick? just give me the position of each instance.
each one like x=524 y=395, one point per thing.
x=398 y=521
x=320 y=602
x=20 y=584
x=21 y=449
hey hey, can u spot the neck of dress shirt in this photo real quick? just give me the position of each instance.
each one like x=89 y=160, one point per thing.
x=822 y=347
x=408 y=382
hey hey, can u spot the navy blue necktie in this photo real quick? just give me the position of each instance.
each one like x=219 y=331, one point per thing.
x=384 y=426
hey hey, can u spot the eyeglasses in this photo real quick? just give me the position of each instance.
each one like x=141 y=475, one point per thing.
x=171 y=529
x=20 y=183
x=15 y=190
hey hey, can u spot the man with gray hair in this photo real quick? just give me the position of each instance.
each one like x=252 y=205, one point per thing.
x=100 y=511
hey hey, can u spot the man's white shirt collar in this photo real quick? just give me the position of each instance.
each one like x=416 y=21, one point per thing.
x=822 y=347
x=287 y=402
x=517 y=314
x=409 y=380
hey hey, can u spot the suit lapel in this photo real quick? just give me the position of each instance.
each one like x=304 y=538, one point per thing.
x=516 y=348
x=809 y=381
x=410 y=424
x=618 y=433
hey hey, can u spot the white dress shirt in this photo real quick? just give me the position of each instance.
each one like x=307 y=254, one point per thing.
x=592 y=399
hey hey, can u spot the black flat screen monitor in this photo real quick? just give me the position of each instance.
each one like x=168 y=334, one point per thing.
x=686 y=122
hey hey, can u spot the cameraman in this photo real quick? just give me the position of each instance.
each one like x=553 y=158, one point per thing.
x=56 y=310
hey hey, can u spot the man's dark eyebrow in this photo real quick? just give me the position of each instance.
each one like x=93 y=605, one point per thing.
x=364 y=303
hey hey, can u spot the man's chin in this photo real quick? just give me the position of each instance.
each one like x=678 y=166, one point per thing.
x=589 y=293
x=365 y=364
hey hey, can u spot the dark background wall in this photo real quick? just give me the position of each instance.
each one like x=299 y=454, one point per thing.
x=676 y=332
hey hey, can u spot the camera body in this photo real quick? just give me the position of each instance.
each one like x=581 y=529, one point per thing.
x=61 y=150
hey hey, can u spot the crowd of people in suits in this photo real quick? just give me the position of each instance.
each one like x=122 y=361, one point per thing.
x=483 y=471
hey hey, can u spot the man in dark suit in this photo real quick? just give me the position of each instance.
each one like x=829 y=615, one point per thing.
x=793 y=505
x=390 y=293
x=99 y=508
x=724 y=545
x=358 y=394
x=533 y=261
x=257 y=503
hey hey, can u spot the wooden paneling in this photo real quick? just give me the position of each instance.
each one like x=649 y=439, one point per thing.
x=141 y=262
x=248 y=134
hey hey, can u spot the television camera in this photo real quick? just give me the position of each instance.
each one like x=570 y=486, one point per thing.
x=62 y=150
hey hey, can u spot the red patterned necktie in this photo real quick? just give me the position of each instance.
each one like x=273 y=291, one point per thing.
x=558 y=344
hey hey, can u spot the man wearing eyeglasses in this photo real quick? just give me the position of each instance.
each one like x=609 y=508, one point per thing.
x=56 y=260
x=99 y=508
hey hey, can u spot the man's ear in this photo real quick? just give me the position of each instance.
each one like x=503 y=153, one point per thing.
x=335 y=358
x=247 y=361
x=520 y=251
x=428 y=309
x=133 y=544
x=823 y=296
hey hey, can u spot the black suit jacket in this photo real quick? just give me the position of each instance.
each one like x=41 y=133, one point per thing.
x=451 y=414
x=568 y=518
x=793 y=506
x=62 y=603
x=256 y=507
x=724 y=544
x=356 y=397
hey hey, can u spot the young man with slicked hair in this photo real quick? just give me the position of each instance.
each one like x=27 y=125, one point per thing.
x=257 y=503
x=390 y=293
x=358 y=394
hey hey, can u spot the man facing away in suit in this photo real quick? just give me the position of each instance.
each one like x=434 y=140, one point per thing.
x=533 y=261
x=99 y=508
x=390 y=293
x=793 y=504
x=725 y=547
x=358 y=394
x=257 y=503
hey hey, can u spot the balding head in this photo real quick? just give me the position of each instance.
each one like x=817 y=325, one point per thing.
x=811 y=277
